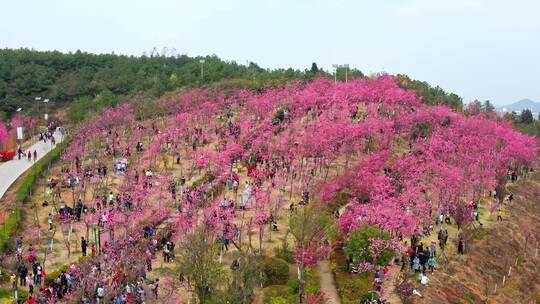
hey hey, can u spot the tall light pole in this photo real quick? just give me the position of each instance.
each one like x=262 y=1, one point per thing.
x=335 y=66
x=19 y=134
x=202 y=69
x=340 y=66
x=37 y=99
x=46 y=116
x=346 y=66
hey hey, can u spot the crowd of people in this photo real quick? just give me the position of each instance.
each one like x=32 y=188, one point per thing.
x=46 y=135
x=121 y=288
x=29 y=272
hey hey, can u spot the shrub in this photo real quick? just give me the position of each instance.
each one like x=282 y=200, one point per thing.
x=352 y=288
x=313 y=285
x=360 y=242
x=385 y=257
x=13 y=220
x=22 y=293
x=276 y=271
x=6 y=293
x=51 y=276
x=294 y=285
x=278 y=300
x=284 y=253
x=277 y=294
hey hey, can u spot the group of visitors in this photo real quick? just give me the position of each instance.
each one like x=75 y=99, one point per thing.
x=126 y=281
x=43 y=136
x=31 y=275
x=28 y=154
x=48 y=134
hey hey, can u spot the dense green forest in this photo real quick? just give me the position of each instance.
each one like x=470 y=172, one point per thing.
x=432 y=95
x=91 y=81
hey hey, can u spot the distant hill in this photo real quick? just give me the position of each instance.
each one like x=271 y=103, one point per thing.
x=80 y=77
x=66 y=77
x=521 y=105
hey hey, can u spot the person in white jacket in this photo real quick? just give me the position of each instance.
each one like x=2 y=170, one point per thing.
x=100 y=294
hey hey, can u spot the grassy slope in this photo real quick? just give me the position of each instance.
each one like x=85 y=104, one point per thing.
x=472 y=278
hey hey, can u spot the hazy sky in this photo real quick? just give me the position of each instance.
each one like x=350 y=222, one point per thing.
x=485 y=49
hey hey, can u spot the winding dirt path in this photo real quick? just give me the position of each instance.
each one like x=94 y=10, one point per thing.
x=328 y=286
x=389 y=286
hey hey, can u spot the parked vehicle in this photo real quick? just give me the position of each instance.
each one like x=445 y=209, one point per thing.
x=7 y=155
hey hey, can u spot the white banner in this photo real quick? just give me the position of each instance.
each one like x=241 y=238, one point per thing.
x=20 y=133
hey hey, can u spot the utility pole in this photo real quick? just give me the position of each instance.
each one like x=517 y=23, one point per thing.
x=37 y=99
x=202 y=69
x=340 y=66
x=335 y=66
x=46 y=116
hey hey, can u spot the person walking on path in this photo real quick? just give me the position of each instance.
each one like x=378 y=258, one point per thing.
x=154 y=287
x=432 y=262
x=38 y=273
x=424 y=280
x=100 y=294
x=461 y=246
x=13 y=281
x=499 y=215
x=29 y=156
x=433 y=249
x=35 y=155
x=416 y=264
x=23 y=272
x=30 y=283
x=50 y=221
x=84 y=246
x=166 y=253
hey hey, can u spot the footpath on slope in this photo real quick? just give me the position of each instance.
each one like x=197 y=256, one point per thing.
x=11 y=170
x=389 y=285
x=328 y=286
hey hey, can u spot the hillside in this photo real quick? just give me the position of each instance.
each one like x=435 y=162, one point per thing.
x=272 y=196
x=103 y=80
x=62 y=78
x=492 y=251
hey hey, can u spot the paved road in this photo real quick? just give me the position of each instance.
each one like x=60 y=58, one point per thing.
x=11 y=170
